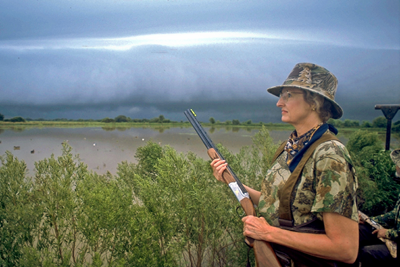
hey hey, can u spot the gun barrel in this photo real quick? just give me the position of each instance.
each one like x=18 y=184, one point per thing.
x=189 y=113
x=264 y=253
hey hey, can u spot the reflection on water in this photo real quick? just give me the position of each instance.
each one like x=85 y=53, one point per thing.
x=160 y=129
x=103 y=148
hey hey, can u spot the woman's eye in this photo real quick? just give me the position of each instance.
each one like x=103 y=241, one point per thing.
x=289 y=95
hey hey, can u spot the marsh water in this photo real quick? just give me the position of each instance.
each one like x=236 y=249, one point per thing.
x=102 y=149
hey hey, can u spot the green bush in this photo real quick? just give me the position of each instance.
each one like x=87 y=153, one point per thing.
x=165 y=210
x=107 y=120
x=194 y=215
x=16 y=119
x=379 y=122
x=121 y=118
x=396 y=127
x=377 y=191
x=19 y=211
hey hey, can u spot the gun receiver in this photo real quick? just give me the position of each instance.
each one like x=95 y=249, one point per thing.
x=264 y=253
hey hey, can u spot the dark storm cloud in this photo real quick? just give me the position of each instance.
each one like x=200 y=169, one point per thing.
x=96 y=59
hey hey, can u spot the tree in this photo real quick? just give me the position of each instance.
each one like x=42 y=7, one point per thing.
x=379 y=122
x=396 y=127
x=366 y=124
x=17 y=119
x=351 y=123
x=336 y=123
x=212 y=120
x=154 y=120
x=1 y=117
x=161 y=118
x=107 y=120
x=121 y=118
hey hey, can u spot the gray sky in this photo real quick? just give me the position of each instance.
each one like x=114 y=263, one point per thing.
x=92 y=59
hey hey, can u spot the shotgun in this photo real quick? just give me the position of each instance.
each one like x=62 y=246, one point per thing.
x=264 y=253
x=391 y=245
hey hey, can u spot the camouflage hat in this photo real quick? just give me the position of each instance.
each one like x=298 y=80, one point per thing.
x=313 y=78
x=395 y=155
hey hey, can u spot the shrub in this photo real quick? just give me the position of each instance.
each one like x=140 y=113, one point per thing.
x=377 y=191
x=379 y=122
x=107 y=120
x=366 y=124
x=121 y=118
x=19 y=211
x=193 y=214
x=165 y=210
x=17 y=119
x=235 y=122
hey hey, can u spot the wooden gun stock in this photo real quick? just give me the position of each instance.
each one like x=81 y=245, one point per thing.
x=264 y=253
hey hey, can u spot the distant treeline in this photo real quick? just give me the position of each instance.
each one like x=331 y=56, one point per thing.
x=379 y=122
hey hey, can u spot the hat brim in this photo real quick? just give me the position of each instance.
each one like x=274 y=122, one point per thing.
x=337 y=111
x=395 y=156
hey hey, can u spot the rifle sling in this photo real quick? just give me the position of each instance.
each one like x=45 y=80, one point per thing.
x=285 y=193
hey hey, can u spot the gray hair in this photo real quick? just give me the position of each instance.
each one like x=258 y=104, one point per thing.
x=322 y=107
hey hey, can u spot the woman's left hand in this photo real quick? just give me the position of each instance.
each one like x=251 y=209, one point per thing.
x=256 y=228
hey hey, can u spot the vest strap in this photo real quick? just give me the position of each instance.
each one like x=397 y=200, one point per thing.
x=285 y=193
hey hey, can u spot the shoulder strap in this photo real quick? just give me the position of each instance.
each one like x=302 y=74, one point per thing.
x=279 y=151
x=285 y=212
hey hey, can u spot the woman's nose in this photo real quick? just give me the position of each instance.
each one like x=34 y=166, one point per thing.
x=280 y=102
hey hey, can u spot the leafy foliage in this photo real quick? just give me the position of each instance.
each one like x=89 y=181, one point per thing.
x=19 y=211
x=379 y=122
x=16 y=119
x=378 y=192
x=165 y=210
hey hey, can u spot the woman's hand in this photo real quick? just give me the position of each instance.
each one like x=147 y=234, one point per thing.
x=381 y=233
x=218 y=167
x=360 y=220
x=256 y=228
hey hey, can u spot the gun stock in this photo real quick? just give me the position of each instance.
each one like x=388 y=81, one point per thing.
x=264 y=253
x=391 y=245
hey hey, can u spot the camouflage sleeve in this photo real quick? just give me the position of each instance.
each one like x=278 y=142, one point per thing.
x=390 y=221
x=392 y=234
x=335 y=181
x=386 y=219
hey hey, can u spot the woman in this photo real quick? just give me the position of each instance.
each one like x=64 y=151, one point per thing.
x=318 y=216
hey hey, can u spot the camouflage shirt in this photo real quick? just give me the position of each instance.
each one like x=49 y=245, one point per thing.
x=390 y=221
x=327 y=184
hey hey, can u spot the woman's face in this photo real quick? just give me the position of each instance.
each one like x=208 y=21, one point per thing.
x=295 y=110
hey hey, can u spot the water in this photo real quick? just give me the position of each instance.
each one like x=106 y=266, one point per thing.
x=103 y=149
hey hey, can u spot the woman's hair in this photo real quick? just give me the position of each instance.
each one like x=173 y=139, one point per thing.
x=322 y=106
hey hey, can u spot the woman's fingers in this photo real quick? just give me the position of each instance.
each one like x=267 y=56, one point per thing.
x=218 y=167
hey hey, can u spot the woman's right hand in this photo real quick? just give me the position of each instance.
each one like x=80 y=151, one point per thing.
x=218 y=167
x=360 y=220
